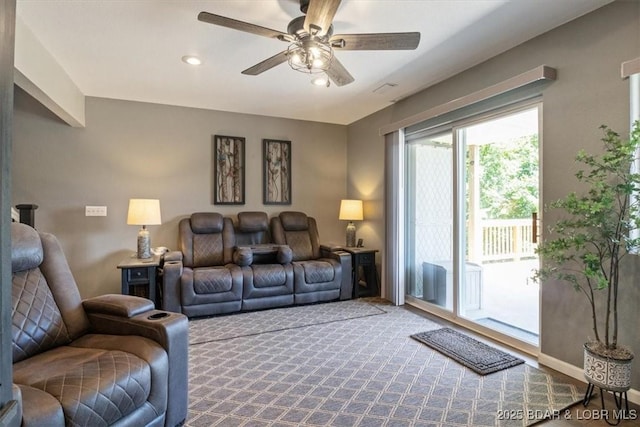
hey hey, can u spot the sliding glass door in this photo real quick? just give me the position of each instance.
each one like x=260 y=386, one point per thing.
x=472 y=192
x=429 y=234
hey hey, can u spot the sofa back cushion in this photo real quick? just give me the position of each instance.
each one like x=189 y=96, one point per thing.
x=206 y=239
x=299 y=231
x=252 y=228
x=37 y=321
x=35 y=317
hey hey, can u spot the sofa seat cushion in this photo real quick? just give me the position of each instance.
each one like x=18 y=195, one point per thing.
x=318 y=271
x=94 y=386
x=268 y=275
x=212 y=280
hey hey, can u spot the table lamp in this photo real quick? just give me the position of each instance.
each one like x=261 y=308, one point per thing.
x=351 y=210
x=144 y=212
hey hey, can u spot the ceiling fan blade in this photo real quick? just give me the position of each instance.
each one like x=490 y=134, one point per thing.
x=338 y=74
x=320 y=14
x=267 y=64
x=376 y=41
x=241 y=26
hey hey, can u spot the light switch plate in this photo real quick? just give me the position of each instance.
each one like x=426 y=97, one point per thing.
x=95 y=211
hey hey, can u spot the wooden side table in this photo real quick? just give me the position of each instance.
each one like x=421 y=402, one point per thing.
x=365 y=274
x=139 y=276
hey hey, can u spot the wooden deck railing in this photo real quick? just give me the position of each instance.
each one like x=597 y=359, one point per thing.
x=505 y=239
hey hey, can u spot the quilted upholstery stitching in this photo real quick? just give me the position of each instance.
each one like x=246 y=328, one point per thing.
x=212 y=280
x=318 y=272
x=300 y=244
x=265 y=276
x=208 y=249
x=101 y=391
x=36 y=319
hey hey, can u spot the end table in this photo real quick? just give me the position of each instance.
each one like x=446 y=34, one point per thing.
x=139 y=276
x=365 y=274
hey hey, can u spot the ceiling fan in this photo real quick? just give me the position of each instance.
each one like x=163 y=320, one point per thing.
x=312 y=42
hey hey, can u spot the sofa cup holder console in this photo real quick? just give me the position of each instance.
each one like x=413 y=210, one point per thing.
x=159 y=315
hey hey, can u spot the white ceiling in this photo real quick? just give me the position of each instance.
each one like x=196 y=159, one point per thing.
x=132 y=49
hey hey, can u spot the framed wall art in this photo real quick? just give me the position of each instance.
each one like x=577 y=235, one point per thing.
x=276 y=166
x=228 y=170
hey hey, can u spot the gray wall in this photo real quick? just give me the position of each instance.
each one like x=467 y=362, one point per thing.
x=138 y=150
x=587 y=53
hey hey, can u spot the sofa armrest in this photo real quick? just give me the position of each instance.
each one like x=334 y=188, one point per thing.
x=171 y=331
x=172 y=256
x=344 y=258
x=330 y=247
x=172 y=269
x=118 y=305
x=267 y=253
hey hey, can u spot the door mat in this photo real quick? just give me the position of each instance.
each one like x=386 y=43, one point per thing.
x=475 y=355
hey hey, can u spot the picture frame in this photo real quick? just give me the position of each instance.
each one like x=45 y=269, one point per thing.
x=228 y=170
x=276 y=167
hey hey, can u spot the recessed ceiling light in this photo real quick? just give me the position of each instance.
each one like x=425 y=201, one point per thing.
x=191 y=60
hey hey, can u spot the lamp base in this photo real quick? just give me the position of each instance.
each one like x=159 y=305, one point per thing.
x=351 y=234
x=144 y=243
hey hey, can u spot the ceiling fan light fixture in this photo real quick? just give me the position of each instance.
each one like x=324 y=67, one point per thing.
x=296 y=58
x=321 y=80
x=310 y=57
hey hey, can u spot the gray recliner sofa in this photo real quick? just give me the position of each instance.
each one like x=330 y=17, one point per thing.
x=108 y=360
x=223 y=267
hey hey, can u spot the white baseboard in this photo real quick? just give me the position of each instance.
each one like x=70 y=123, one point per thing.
x=576 y=372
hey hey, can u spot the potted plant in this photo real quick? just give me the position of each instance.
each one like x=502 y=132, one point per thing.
x=587 y=246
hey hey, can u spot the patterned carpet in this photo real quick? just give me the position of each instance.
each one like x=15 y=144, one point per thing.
x=279 y=319
x=361 y=371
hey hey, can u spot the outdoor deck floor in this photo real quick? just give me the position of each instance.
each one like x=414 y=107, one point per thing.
x=510 y=300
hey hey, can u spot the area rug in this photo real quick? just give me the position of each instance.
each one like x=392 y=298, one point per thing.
x=364 y=371
x=475 y=355
x=258 y=322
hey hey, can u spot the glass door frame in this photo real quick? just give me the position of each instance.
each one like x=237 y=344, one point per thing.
x=459 y=243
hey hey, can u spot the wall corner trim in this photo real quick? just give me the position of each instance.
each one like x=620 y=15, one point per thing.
x=38 y=73
x=630 y=67
x=540 y=73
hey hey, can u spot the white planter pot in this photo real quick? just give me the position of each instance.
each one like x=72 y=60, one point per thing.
x=607 y=373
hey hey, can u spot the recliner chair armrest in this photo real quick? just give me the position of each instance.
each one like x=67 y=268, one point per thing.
x=118 y=305
x=171 y=272
x=171 y=331
x=172 y=256
x=344 y=258
x=330 y=247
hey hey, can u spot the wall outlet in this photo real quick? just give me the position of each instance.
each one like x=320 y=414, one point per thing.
x=95 y=211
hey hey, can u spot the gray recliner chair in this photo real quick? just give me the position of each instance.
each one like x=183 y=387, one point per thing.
x=200 y=278
x=318 y=274
x=108 y=360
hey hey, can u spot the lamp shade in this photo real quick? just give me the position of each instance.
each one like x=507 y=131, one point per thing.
x=144 y=212
x=351 y=210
